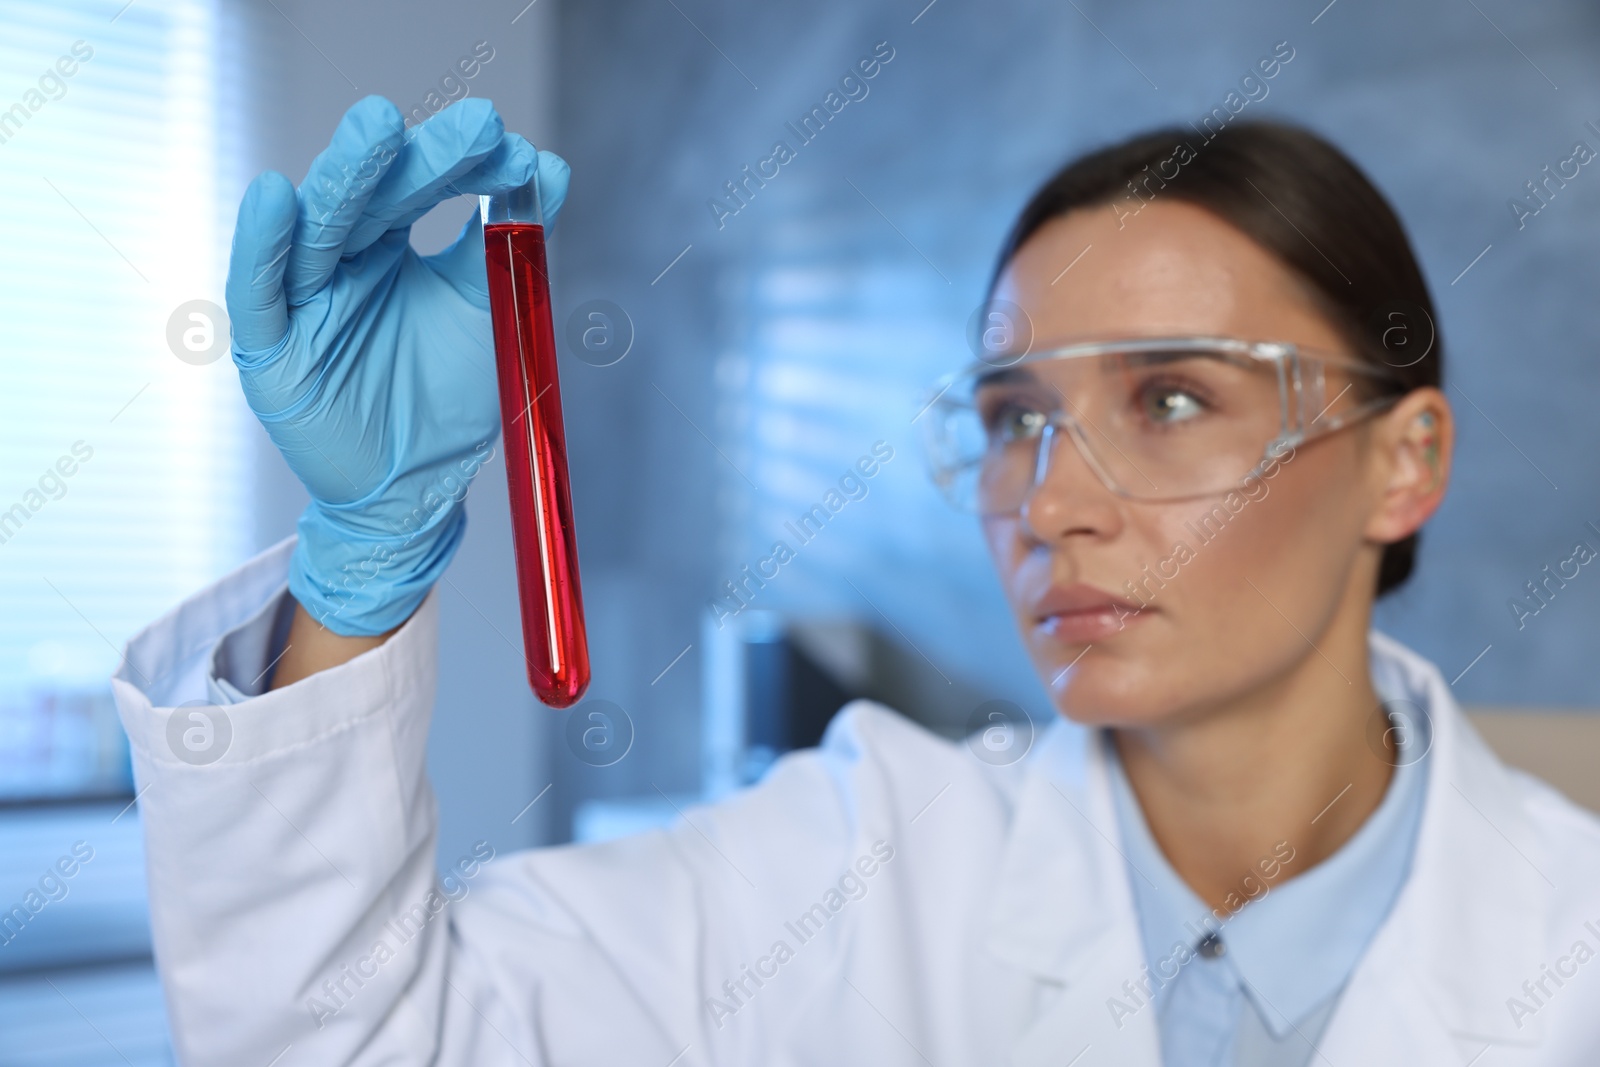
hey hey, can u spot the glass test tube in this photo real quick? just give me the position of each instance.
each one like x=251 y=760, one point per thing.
x=555 y=643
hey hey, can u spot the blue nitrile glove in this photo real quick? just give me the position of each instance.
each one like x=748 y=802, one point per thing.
x=371 y=367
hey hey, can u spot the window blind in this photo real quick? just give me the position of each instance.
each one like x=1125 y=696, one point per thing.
x=124 y=481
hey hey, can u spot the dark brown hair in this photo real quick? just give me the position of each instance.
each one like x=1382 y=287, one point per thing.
x=1302 y=200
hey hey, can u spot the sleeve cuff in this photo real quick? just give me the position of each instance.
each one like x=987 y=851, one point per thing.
x=242 y=661
x=170 y=660
x=216 y=644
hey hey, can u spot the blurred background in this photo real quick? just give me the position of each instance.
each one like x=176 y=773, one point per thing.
x=732 y=345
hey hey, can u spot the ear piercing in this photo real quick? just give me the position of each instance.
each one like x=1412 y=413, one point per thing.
x=1430 y=443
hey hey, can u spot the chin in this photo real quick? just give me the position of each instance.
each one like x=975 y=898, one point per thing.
x=1100 y=678
x=1089 y=706
x=1107 y=690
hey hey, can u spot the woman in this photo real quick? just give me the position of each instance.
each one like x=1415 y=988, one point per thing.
x=1278 y=842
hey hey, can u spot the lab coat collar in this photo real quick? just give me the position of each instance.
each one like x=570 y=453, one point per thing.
x=1064 y=913
x=1471 y=913
x=1471 y=921
x=1061 y=888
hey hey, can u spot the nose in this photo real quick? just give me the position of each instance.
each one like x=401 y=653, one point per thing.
x=1067 y=497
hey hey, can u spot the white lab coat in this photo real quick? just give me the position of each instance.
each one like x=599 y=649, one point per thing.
x=994 y=927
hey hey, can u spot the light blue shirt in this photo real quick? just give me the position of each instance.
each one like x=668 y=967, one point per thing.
x=1265 y=997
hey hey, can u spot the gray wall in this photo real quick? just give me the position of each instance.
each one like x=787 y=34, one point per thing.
x=892 y=216
x=863 y=261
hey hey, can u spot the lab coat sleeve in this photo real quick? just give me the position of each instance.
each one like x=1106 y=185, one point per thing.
x=641 y=950
x=296 y=908
x=281 y=833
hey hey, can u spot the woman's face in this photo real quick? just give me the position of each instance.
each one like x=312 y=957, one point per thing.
x=1242 y=605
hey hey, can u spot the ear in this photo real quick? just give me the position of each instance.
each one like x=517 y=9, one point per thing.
x=1412 y=447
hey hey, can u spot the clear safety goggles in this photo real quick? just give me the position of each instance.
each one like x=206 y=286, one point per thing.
x=1158 y=418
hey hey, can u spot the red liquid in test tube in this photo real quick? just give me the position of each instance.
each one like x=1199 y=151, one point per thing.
x=555 y=643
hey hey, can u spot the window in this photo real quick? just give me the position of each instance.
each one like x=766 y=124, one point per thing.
x=124 y=478
x=843 y=309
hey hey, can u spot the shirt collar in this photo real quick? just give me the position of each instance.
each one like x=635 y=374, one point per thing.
x=1295 y=945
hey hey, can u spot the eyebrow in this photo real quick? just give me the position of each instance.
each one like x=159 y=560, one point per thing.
x=1003 y=375
x=1150 y=358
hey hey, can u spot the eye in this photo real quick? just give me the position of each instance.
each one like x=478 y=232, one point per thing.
x=1008 y=421
x=1166 y=403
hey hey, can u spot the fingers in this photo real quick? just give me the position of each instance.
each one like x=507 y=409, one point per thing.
x=257 y=308
x=465 y=142
x=376 y=176
x=463 y=263
x=512 y=165
x=500 y=170
x=337 y=188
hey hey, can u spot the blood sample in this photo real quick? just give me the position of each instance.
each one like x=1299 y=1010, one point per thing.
x=555 y=643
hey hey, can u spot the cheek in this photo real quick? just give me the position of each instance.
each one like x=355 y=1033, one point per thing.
x=1019 y=566
x=1302 y=552
x=1233 y=591
x=1208 y=633
x=1009 y=547
x=1239 y=613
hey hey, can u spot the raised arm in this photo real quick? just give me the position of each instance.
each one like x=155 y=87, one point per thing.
x=371 y=367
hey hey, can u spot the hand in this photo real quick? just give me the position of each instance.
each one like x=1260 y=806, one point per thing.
x=371 y=367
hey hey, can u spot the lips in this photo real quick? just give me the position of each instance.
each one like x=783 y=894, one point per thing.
x=1081 y=613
